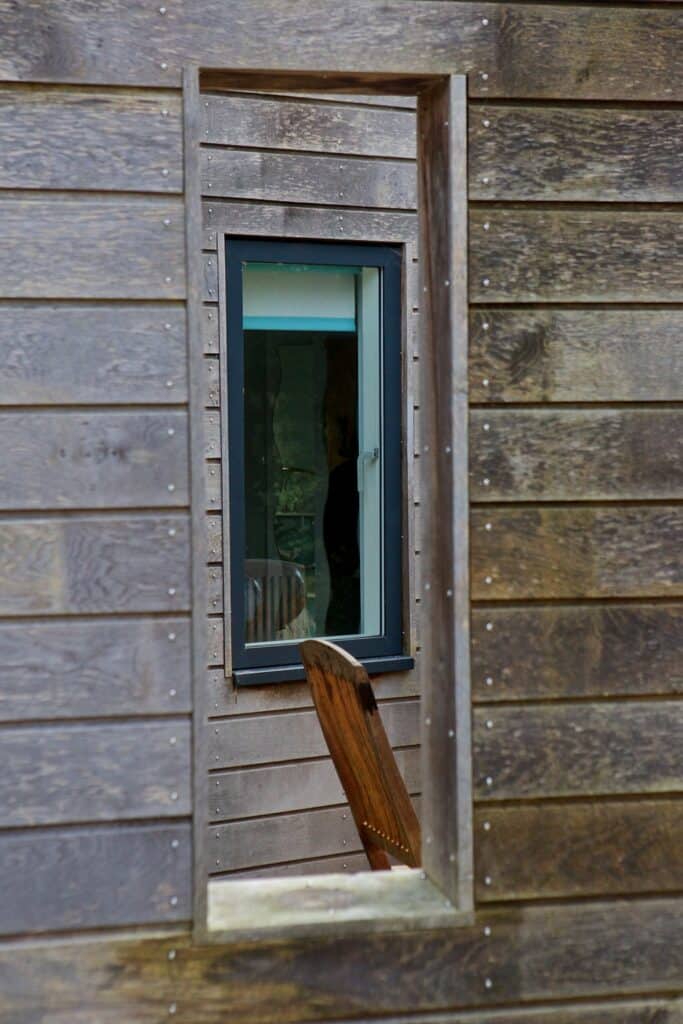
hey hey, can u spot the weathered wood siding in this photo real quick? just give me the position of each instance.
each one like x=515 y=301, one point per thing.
x=272 y=799
x=94 y=538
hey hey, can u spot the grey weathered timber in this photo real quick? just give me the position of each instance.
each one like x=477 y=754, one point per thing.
x=88 y=669
x=101 y=876
x=527 y=50
x=250 y=792
x=599 y=551
x=210 y=278
x=94 y=564
x=209 y=327
x=576 y=255
x=80 y=247
x=308 y=178
x=211 y=383
x=589 y=154
x=242 y=741
x=550 y=750
x=66 y=460
x=568 y=952
x=91 y=139
x=576 y=355
x=212 y=435
x=66 y=353
x=602 y=650
x=214 y=538
x=444 y=535
x=273 y=123
x=570 y=454
x=212 y=485
x=351 y=862
x=94 y=772
x=587 y=848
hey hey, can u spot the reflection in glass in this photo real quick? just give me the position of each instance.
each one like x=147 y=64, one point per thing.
x=312 y=377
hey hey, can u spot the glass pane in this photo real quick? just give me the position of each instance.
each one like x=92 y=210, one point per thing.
x=313 y=480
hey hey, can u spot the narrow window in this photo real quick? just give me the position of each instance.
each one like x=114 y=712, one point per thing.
x=314 y=394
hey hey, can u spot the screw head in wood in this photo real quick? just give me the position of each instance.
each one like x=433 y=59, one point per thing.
x=484 y=21
x=488 y=983
x=489 y=626
x=487 y=225
x=488 y=580
x=485 y=382
x=172 y=1008
x=486 y=482
x=487 y=880
x=486 y=282
x=172 y=693
x=164 y=66
x=174 y=844
x=487 y=826
x=171 y=954
x=171 y=532
x=173 y=901
x=171 y=591
x=485 y=325
x=487 y=123
x=488 y=526
x=489 y=680
x=174 y=795
x=484 y=76
x=171 y=487
x=489 y=724
x=173 y=740
x=489 y=780
x=487 y=931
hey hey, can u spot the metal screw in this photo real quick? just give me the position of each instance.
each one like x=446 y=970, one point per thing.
x=487 y=225
x=167 y=280
x=489 y=680
x=487 y=931
x=428 y=721
x=171 y=487
x=174 y=901
x=489 y=723
x=172 y=693
x=487 y=123
x=488 y=526
x=487 y=426
x=484 y=181
x=486 y=282
x=486 y=481
x=489 y=626
x=169 y=383
x=171 y=591
x=485 y=325
x=488 y=983
x=171 y=431
x=162 y=10
x=452 y=858
x=489 y=780
x=164 y=113
x=484 y=21
x=174 y=795
x=171 y=954
x=447 y=449
x=447 y=284
x=428 y=586
x=449 y=593
x=174 y=844
x=172 y=1008
x=428 y=840
x=451 y=734
x=171 y=532
x=485 y=76
x=488 y=580
x=485 y=382
x=487 y=826
x=171 y=637
x=172 y=740
x=487 y=880
x=164 y=66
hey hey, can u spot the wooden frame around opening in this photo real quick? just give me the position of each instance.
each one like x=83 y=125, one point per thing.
x=444 y=585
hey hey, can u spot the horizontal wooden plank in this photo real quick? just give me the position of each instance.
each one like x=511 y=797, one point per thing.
x=306 y=178
x=252 y=792
x=61 y=353
x=94 y=878
x=87 y=669
x=548 y=552
x=352 y=863
x=593 y=950
x=95 y=772
x=577 y=651
x=591 y=154
x=298 y=124
x=664 y=1010
x=576 y=454
x=600 y=749
x=576 y=355
x=580 y=255
x=289 y=737
x=98 y=460
x=94 y=564
x=523 y=50
x=595 y=848
x=91 y=139
x=79 y=247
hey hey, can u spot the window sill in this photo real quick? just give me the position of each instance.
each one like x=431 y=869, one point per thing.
x=371 y=902
x=295 y=673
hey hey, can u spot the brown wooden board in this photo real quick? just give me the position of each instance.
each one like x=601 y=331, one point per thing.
x=545 y=652
x=242 y=741
x=284 y=788
x=589 y=154
x=553 y=750
x=80 y=247
x=63 y=353
x=97 y=877
x=534 y=954
x=576 y=355
x=308 y=178
x=298 y=124
x=92 y=139
x=67 y=460
x=666 y=1010
x=94 y=564
x=549 y=552
x=523 y=50
x=576 y=255
x=569 y=454
x=94 y=772
x=87 y=669
x=596 y=848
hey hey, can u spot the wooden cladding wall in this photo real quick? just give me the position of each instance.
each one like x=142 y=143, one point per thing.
x=94 y=530
x=272 y=798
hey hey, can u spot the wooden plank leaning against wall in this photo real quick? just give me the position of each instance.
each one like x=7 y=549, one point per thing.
x=94 y=538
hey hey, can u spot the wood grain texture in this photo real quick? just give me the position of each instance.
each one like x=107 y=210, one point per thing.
x=352 y=862
x=606 y=748
x=570 y=454
x=211 y=383
x=581 y=849
x=87 y=139
x=580 y=255
x=73 y=669
x=98 y=460
x=79 y=247
x=97 y=877
x=290 y=787
x=532 y=955
x=308 y=178
x=270 y=123
x=247 y=740
x=576 y=355
x=667 y=1010
x=527 y=50
x=589 y=154
x=112 y=772
x=63 y=353
x=612 y=650
x=94 y=564
x=627 y=551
